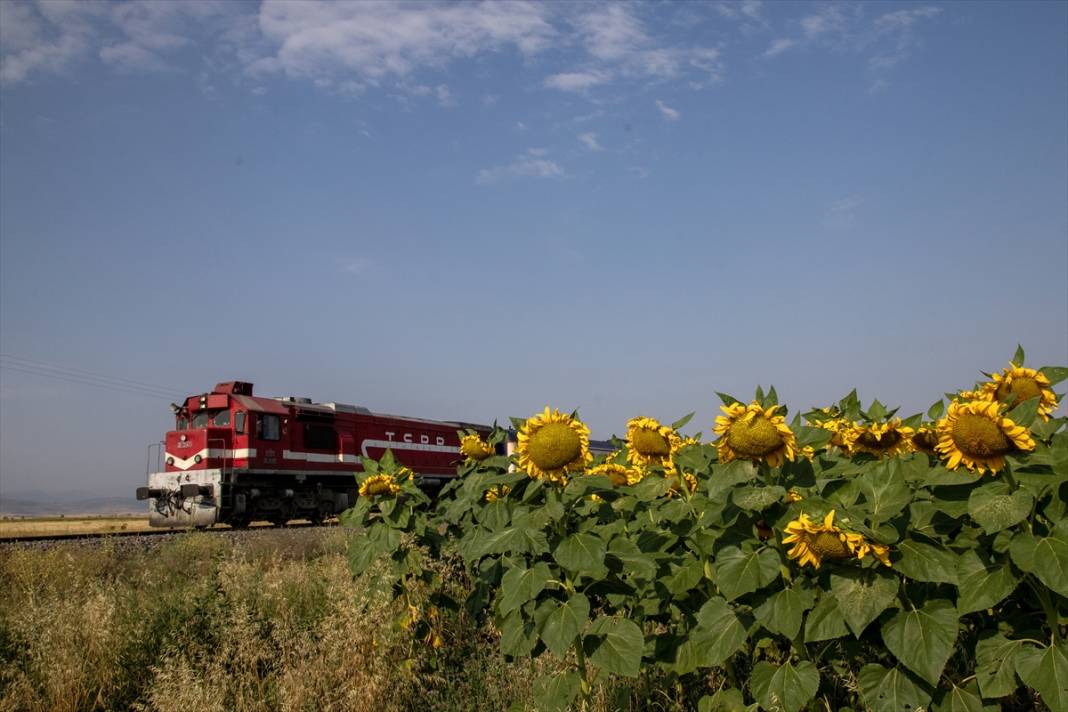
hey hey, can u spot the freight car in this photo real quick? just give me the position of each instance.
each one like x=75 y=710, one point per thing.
x=234 y=458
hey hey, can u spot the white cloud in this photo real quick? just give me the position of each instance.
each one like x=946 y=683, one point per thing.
x=130 y=57
x=532 y=164
x=520 y=126
x=841 y=213
x=589 y=140
x=575 y=81
x=779 y=46
x=750 y=9
x=445 y=97
x=376 y=39
x=42 y=38
x=611 y=32
x=669 y=113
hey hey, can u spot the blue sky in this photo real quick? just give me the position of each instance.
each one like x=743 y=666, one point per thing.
x=470 y=210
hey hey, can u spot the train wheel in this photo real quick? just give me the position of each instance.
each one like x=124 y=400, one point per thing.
x=241 y=523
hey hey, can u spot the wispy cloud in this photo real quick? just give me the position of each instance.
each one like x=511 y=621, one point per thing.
x=532 y=164
x=841 y=213
x=575 y=81
x=668 y=113
x=779 y=46
x=589 y=140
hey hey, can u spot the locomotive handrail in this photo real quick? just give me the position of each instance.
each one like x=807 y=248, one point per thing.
x=159 y=457
x=222 y=449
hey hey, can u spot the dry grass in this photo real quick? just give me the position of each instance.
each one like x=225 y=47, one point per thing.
x=54 y=526
x=272 y=621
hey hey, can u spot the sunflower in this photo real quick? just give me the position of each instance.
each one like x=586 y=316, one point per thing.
x=979 y=436
x=750 y=432
x=551 y=445
x=650 y=443
x=793 y=496
x=678 y=481
x=475 y=448
x=880 y=439
x=496 y=492
x=1017 y=384
x=815 y=542
x=381 y=484
x=621 y=476
x=925 y=439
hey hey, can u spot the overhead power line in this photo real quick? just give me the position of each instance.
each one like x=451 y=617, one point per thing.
x=88 y=378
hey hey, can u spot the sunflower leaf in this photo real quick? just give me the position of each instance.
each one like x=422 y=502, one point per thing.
x=681 y=422
x=825 y=621
x=962 y=699
x=891 y=690
x=521 y=584
x=727 y=399
x=994 y=508
x=925 y=562
x=981 y=586
x=615 y=645
x=556 y=692
x=729 y=699
x=1045 y=557
x=717 y=635
x=1046 y=670
x=786 y=687
x=1018 y=357
x=582 y=554
x=782 y=612
x=936 y=410
x=738 y=573
x=563 y=625
x=922 y=638
x=1055 y=374
x=863 y=595
x=1025 y=412
x=885 y=490
x=995 y=665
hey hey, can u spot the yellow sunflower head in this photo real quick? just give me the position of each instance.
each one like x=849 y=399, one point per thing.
x=1016 y=384
x=880 y=439
x=815 y=541
x=552 y=444
x=496 y=492
x=751 y=432
x=978 y=436
x=925 y=439
x=475 y=448
x=621 y=476
x=650 y=443
x=380 y=485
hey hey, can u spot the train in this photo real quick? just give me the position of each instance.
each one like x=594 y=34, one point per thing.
x=234 y=458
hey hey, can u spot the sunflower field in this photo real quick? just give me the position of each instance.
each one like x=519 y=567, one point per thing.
x=844 y=558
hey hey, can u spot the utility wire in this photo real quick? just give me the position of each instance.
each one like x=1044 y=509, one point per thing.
x=80 y=372
x=103 y=382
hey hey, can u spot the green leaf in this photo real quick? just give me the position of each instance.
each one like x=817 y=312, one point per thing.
x=785 y=688
x=936 y=410
x=981 y=586
x=615 y=645
x=729 y=699
x=825 y=621
x=564 y=624
x=922 y=638
x=518 y=538
x=556 y=692
x=1018 y=357
x=782 y=613
x=862 y=595
x=1025 y=412
x=1046 y=670
x=633 y=561
x=738 y=573
x=518 y=634
x=681 y=422
x=1045 y=557
x=925 y=562
x=757 y=499
x=521 y=584
x=885 y=490
x=727 y=400
x=890 y=690
x=994 y=507
x=962 y=699
x=995 y=665
x=685 y=577
x=1055 y=374
x=581 y=553
x=717 y=635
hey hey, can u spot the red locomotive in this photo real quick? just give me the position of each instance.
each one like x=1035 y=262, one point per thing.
x=235 y=458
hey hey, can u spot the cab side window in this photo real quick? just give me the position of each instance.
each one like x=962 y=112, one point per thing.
x=239 y=422
x=320 y=437
x=267 y=427
x=221 y=419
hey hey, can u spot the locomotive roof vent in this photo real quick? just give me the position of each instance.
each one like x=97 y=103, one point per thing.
x=296 y=399
x=346 y=408
x=236 y=388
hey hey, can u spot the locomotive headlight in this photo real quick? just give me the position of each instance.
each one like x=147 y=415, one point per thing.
x=183 y=438
x=170 y=460
x=197 y=459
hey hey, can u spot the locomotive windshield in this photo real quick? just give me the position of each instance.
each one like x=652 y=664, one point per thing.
x=204 y=418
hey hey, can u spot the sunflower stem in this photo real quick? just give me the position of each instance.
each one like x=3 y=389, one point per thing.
x=1013 y=484
x=580 y=659
x=1048 y=607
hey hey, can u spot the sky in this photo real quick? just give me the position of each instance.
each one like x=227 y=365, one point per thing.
x=473 y=210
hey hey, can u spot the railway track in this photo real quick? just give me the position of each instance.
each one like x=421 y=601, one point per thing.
x=153 y=533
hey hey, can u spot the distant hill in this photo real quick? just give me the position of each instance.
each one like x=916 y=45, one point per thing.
x=32 y=503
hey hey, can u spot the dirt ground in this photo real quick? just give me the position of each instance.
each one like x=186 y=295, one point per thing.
x=70 y=524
